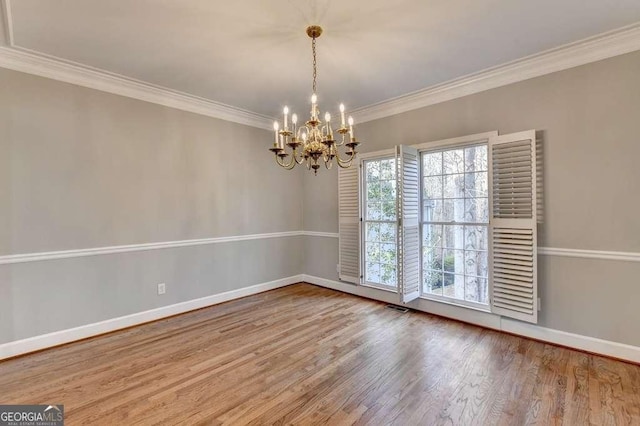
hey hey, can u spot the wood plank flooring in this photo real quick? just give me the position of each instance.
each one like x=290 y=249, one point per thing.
x=307 y=355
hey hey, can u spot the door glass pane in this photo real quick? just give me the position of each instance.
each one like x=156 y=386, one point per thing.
x=388 y=253
x=374 y=211
x=373 y=191
x=388 y=274
x=388 y=190
x=372 y=251
x=373 y=171
x=380 y=257
x=388 y=211
x=388 y=233
x=388 y=170
x=372 y=232
x=373 y=272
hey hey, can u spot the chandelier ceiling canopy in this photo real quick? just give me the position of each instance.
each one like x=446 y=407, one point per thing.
x=313 y=142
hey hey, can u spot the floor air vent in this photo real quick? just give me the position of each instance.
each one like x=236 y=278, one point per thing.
x=397 y=308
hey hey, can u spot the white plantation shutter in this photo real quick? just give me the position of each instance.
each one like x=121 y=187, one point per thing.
x=408 y=252
x=513 y=241
x=349 y=225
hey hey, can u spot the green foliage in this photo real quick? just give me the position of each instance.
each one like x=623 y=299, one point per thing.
x=436 y=280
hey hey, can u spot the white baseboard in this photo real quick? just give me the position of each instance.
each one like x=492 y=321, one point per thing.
x=571 y=340
x=44 y=341
x=489 y=320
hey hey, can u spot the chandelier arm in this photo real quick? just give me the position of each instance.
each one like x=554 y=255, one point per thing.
x=345 y=163
x=281 y=163
x=291 y=164
x=295 y=157
x=328 y=164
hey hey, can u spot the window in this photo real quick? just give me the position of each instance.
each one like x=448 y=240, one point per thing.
x=451 y=221
x=455 y=223
x=380 y=222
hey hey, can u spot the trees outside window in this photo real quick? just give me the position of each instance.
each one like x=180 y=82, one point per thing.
x=455 y=219
x=380 y=222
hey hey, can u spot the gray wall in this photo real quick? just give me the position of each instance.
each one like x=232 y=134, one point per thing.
x=81 y=168
x=589 y=117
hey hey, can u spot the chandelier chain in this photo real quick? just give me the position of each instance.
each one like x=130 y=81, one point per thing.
x=315 y=73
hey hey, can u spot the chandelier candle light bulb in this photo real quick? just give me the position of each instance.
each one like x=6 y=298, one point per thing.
x=275 y=127
x=327 y=118
x=314 y=111
x=351 y=128
x=313 y=142
x=286 y=113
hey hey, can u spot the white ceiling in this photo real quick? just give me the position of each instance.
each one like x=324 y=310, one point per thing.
x=254 y=54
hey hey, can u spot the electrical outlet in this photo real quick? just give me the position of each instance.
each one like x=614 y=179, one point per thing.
x=338 y=268
x=539 y=304
x=162 y=288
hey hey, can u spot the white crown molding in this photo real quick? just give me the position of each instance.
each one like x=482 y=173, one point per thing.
x=493 y=321
x=596 y=48
x=65 y=254
x=23 y=60
x=31 y=344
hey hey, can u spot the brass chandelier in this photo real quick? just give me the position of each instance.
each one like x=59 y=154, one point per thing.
x=314 y=139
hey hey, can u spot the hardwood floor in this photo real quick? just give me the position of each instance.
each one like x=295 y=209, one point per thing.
x=307 y=355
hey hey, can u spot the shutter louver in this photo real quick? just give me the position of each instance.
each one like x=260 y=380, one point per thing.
x=514 y=212
x=349 y=224
x=539 y=180
x=408 y=187
x=512 y=180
